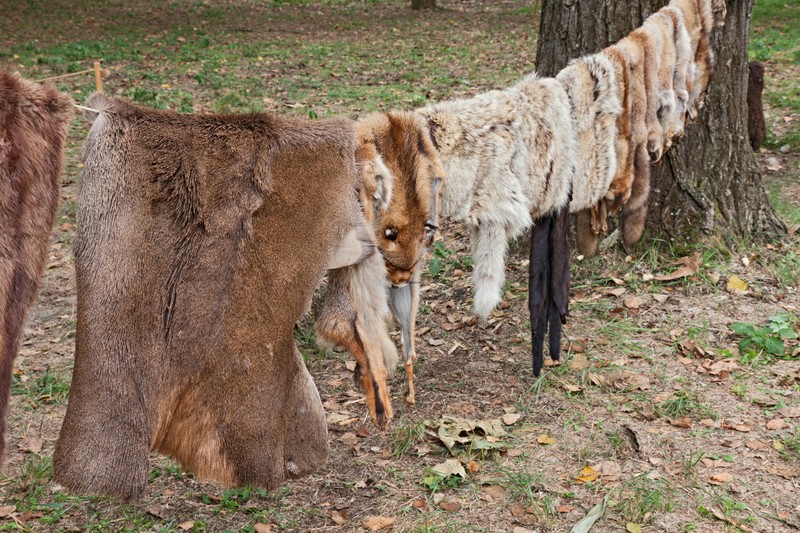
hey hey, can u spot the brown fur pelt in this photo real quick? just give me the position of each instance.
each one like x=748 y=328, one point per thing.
x=650 y=45
x=33 y=127
x=200 y=241
x=756 y=126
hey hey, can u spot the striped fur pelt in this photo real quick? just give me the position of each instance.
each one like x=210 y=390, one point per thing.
x=33 y=127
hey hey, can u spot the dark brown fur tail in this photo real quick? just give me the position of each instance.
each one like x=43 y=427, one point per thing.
x=559 y=279
x=539 y=274
x=33 y=127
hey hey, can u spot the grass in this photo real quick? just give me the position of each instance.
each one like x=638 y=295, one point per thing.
x=684 y=403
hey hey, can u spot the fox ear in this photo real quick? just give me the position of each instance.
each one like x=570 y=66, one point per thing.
x=384 y=185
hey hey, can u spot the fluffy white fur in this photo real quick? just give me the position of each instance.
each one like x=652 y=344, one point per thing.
x=509 y=157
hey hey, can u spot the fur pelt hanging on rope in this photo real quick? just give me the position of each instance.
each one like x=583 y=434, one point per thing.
x=400 y=177
x=33 y=127
x=663 y=70
x=509 y=157
x=200 y=241
x=596 y=105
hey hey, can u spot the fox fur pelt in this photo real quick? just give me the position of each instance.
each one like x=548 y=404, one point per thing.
x=200 y=241
x=400 y=172
x=509 y=157
x=33 y=127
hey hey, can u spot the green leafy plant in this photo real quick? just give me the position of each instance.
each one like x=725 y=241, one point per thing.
x=770 y=339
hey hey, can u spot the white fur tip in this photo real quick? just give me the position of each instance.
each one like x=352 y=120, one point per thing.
x=485 y=302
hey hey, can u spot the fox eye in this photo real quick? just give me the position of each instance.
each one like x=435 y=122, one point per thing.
x=390 y=233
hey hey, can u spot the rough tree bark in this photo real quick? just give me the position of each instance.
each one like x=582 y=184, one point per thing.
x=423 y=4
x=709 y=181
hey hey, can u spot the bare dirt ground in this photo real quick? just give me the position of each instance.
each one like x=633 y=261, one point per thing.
x=679 y=429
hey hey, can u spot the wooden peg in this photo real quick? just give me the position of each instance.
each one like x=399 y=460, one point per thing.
x=98 y=77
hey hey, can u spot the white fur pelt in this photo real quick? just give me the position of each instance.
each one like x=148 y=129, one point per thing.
x=592 y=87
x=509 y=157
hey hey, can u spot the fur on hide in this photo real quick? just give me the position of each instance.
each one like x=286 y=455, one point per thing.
x=597 y=97
x=699 y=20
x=650 y=45
x=683 y=56
x=591 y=84
x=756 y=126
x=406 y=228
x=200 y=241
x=662 y=25
x=509 y=157
x=631 y=127
x=553 y=160
x=33 y=126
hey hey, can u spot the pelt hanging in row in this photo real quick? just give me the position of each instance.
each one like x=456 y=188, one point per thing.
x=200 y=241
x=399 y=172
x=33 y=127
x=663 y=70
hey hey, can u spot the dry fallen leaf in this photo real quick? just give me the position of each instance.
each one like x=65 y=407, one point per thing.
x=720 y=478
x=186 y=526
x=452 y=506
x=495 y=492
x=776 y=423
x=7 y=510
x=262 y=528
x=586 y=475
x=660 y=298
x=689 y=266
x=789 y=412
x=633 y=527
x=577 y=362
x=608 y=470
x=736 y=285
x=633 y=302
x=545 y=439
x=375 y=523
x=510 y=419
x=32 y=445
x=339 y=517
x=349 y=439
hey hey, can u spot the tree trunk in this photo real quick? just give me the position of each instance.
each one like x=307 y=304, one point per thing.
x=709 y=181
x=423 y=4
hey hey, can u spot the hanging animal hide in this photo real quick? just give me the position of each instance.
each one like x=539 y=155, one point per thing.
x=200 y=241
x=596 y=105
x=683 y=56
x=699 y=17
x=406 y=221
x=509 y=158
x=33 y=127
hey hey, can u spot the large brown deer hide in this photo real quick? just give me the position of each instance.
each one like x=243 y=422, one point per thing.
x=33 y=126
x=200 y=241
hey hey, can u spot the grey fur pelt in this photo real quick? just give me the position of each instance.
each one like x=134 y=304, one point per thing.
x=509 y=157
